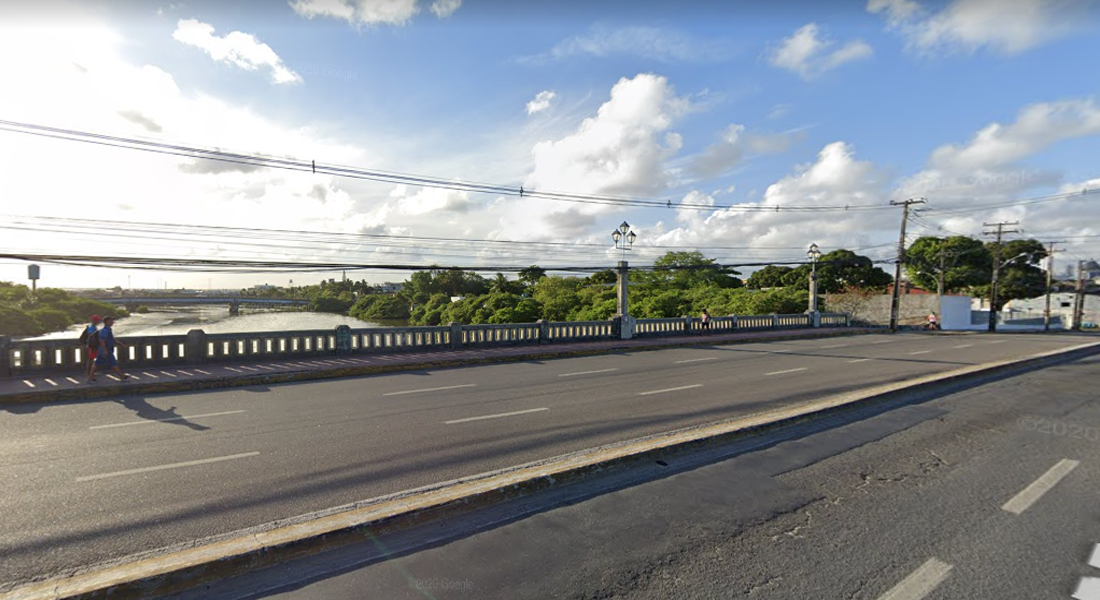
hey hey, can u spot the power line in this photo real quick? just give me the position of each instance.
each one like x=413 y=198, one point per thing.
x=314 y=167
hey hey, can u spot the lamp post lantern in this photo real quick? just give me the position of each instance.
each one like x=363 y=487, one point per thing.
x=624 y=240
x=813 y=254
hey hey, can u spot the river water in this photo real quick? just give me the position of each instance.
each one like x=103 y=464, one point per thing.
x=216 y=319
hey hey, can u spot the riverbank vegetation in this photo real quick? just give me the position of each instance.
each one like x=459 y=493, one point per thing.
x=48 y=309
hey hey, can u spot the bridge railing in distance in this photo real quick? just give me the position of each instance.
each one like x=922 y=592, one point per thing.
x=22 y=357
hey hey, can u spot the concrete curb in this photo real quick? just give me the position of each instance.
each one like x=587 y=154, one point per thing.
x=94 y=392
x=184 y=569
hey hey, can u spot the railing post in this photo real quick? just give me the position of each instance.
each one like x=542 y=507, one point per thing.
x=5 y=356
x=343 y=339
x=847 y=319
x=456 y=336
x=544 y=331
x=815 y=319
x=687 y=324
x=195 y=350
x=775 y=321
x=733 y=322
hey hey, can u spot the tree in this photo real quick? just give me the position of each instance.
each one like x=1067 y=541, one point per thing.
x=771 y=276
x=965 y=263
x=532 y=275
x=685 y=270
x=1020 y=275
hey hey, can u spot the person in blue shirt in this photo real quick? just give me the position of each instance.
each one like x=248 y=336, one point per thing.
x=90 y=339
x=106 y=356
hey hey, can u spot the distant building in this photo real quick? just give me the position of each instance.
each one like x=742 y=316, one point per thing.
x=263 y=286
x=390 y=288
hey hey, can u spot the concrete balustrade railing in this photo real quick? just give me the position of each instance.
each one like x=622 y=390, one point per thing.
x=18 y=357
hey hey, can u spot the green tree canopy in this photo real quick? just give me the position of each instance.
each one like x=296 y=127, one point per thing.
x=965 y=263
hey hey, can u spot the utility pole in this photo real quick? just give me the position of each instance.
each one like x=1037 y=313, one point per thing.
x=1050 y=283
x=996 y=267
x=895 y=301
x=1079 y=299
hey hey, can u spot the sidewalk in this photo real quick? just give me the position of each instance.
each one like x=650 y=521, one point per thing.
x=72 y=386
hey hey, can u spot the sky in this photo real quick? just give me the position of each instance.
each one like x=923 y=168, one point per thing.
x=755 y=129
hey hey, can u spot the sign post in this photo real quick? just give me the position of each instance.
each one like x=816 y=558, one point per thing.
x=32 y=273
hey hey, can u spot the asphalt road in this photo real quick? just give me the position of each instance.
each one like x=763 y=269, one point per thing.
x=989 y=493
x=91 y=482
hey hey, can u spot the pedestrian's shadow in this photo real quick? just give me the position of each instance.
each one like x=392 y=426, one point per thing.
x=143 y=410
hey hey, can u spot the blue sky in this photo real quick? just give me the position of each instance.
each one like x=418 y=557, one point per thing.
x=969 y=103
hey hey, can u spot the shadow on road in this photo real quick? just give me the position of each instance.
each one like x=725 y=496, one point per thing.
x=143 y=410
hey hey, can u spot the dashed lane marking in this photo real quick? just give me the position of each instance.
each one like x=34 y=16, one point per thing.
x=859 y=360
x=586 y=372
x=166 y=373
x=675 y=389
x=437 y=389
x=919 y=583
x=962 y=346
x=787 y=371
x=835 y=346
x=51 y=382
x=691 y=360
x=496 y=416
x=919 y=352
x=178 y=465
x=201 y=371
x=1032 y=493
x=148 y=374
x=29 y=383
x=232 y=369
x=71 y=380
x=182 y=372
x=180 y=418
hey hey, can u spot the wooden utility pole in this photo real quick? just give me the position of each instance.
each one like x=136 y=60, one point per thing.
x=895 y=300
x=1079 y=298
x=1050 y=283
x=996 y=267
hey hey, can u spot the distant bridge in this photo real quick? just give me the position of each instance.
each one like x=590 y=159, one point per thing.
x=234 y=303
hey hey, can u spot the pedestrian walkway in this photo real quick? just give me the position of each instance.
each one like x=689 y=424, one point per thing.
x=71 y=386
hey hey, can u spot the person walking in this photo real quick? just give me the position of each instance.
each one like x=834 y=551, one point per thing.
x=90 y=339
x=105 y=358
x=933 y=322
x=704 y=320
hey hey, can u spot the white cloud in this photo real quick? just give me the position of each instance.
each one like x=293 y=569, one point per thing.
x=810 y=54
x=1090 y=185
x=733 y=145
x=646 y=42
x=372 y=12
x=445 y=8
x=622 y=149
x=237 y=48
x=541 y=102
x=835 y=178
x=430 y=200
x=970 y=25
x=989 y=164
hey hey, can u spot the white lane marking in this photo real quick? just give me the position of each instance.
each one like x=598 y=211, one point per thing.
x=71 y=380
x=189 y=463
x=449 y=387
x=232 y=369
x=780 y=351
x=962 y=346
x=148 y=374
x=266 y=367
x=182 y=418
x=835 y=346
x=182 y=372
x=496 y=416
x=691 y=360
x=51 y=382
x=788 y=371
x=113 y=377
x=675 y=389
x=858 y=360
x=1088 y=589
x=28 y=382
x=919 y=583
x=247 y=368
x=132 y=376
x=201 y=371
x=919 y=352
x=998 y=342
x=168 y=374
x=879 y=342
x=1022 y=501
x=1094 y=560
x=586 y=372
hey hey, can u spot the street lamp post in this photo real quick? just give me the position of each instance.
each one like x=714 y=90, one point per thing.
x=813 y=254
x=624 y=240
